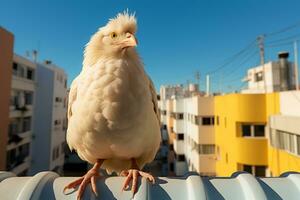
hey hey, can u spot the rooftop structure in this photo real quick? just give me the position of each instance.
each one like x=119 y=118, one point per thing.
x=48 y=185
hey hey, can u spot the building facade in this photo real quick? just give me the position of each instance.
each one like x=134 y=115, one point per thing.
x=6 y=62
x=50 y=123
x=273 y=76
x=23 y=87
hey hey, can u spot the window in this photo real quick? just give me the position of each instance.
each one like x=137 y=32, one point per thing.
x=15 y=69
x=258 y=76
x=180 y=115
x=57 y=122
x=291 y=143
x=259 y=171
x=249 y=130
x=164 y=112
x=30 y=74
x=196 y=120
x=206 y=120
x=246 y=130
x=180 y=136
x=24 y=150
x=165 y=127
x=247 y=168
x=206 y=148
x=171 y=148
x=171 y=167
x=259 y=130
x=28 y=98
x=218 y=121
x=65 y=83
x=298 y=144
x=58 y=99
x=26 y=124
x=180 y=157
x=13 y=127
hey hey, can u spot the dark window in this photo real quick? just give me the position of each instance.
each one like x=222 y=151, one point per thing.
x=247 y=168
x=258 y=76
x=218 y=120
x=259 y=130
x=30 y=74
x=172 y=167
x=65 y=83
x=180 y=115
x=180 y=157
x=246 y=130
x=26 y=124
x=171 y=147
x=260 y=171
x=165 y=127
x=164 y=112
x=212 y=120
x=28 y=98
x=180 y=136
x=206 y=121
x=15 y=69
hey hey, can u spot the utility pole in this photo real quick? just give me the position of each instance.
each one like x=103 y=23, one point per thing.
x=197 y=76
x=207 y=85
x=261 y=46
x=296 y=64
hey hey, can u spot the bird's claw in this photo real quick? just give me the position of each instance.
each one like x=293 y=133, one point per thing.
x=132 y=174
x=89 y=177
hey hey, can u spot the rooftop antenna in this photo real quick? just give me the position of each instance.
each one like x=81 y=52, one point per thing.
x=260 y=41
x=34 y=55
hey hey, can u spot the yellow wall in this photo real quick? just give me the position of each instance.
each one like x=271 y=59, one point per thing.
x=233 y=150
x=279 y=161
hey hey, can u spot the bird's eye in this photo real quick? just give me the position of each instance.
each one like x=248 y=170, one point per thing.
x=113 y=35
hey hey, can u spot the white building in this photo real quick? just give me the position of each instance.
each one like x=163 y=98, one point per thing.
x=200 y=136
x=50 y=121
x=21 y=115
x=279 y=76
x=189 y=119
x=284 y=131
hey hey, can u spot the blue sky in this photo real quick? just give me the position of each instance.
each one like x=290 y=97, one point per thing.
x=176 y=38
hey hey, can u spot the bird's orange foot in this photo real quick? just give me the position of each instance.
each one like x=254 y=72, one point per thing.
x=132 y=174
x=89 y=177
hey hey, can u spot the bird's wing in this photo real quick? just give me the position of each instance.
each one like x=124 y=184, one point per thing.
x=154 y=99
x=72 y=97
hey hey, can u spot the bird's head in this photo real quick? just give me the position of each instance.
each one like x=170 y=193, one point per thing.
x=115 y=39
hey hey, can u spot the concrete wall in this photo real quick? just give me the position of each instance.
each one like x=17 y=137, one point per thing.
x=43 y=120
x=6 y=60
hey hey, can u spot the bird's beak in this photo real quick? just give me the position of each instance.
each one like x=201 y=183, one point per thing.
x=129 y=41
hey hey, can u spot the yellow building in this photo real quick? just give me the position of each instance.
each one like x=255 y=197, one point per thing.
x=240 y=135
x=257 y=133
x=284 y=132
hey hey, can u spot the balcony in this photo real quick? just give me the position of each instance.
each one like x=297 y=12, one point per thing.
x=252 y=150
x=48 y=185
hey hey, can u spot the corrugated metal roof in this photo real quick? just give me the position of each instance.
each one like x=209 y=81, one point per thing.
x=48 y=185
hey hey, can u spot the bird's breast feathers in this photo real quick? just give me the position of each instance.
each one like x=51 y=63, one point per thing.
x=113 y=105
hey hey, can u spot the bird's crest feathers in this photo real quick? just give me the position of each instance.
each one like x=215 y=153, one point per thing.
x=123 y=22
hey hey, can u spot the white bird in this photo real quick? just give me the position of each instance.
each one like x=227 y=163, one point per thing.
x=112 y=112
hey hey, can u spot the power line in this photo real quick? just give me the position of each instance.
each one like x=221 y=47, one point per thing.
x=284 y=29
x=280 y=44
x=292 y=37
x=233 y=57
x=240 y=65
